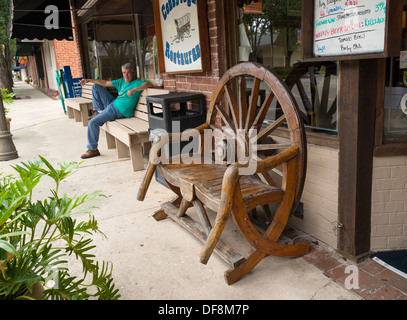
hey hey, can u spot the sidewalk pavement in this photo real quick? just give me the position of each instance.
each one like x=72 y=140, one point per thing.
x=152 y=260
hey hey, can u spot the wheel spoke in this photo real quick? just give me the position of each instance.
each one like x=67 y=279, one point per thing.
x=225 y=117
x=263 y=111
x=242 y=102
x=270 y=128
x=253 y=104
x=233 y=107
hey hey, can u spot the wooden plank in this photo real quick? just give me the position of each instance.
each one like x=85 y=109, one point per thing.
x=141 y=115
x=76 y=102
x=134 y=124
x=118 y=131
x=224 y=251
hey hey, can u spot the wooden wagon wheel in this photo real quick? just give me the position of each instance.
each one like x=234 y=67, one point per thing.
x=238 y=183
x=230 y=102
x=318 y=104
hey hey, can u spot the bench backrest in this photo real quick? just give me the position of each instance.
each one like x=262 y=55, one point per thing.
x=87 y=90
x=141 y=110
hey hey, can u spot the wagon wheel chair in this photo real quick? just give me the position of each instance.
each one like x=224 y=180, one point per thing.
x=228 y=187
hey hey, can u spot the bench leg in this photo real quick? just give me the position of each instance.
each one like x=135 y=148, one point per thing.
x=77 y=115
x=70 y=112
x=146 y=147
x=110 y=141
x=136 y=156
x=84 y=114
x=122 y=149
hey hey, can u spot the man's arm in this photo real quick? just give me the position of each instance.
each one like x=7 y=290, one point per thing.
x=103 y=83
x=145 y=85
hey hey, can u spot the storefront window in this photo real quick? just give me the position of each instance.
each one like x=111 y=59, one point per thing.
x=395 y=114
x=113 y=40
x=395 y=103
x=270 y=33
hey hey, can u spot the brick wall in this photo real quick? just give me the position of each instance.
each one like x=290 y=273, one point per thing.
x=320 y=195
x=207 y=82
x=389 y=203
x=67 y=53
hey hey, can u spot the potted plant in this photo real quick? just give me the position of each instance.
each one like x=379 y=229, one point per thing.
x=8 y=98
x=39 y=236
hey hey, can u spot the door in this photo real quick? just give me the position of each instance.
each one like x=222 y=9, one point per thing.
x=50 y=64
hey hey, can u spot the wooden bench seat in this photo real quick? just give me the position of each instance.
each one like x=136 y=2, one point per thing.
x=130 y=136
x=81 y=107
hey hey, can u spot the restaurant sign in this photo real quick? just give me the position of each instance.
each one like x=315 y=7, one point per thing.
x=179 y=35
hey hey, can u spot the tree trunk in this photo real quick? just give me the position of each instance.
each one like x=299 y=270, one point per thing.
x=6 y=75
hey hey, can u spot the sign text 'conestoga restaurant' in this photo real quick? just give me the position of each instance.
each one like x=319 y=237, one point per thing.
x=180 y=33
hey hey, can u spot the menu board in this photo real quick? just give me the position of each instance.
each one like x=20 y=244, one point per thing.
x=344 y=27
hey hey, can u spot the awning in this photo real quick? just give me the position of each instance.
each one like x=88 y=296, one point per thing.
x=27 y=48
x=41 y=19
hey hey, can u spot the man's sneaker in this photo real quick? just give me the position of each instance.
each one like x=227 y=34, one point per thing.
x=90 y=154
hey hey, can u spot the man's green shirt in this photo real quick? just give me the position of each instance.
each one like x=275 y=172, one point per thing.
x=123 y=103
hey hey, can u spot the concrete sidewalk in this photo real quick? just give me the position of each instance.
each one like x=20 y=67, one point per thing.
x=152 y=260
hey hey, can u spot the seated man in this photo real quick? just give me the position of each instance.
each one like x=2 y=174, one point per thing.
x=106 y=108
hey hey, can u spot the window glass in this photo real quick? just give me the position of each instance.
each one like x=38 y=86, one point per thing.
x=270 y=33
x=110 y=45
x=395 y=102
x=114 y=40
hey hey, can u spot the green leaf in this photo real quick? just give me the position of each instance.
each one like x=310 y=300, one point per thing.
x=8 y=247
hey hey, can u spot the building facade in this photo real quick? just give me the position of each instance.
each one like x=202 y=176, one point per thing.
x=354 y=197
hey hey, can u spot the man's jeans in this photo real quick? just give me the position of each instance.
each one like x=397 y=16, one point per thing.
x=103 y=103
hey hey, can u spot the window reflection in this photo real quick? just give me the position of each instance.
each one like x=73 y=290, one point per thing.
x=113 y=40
x=395 y=101
x=270 y=33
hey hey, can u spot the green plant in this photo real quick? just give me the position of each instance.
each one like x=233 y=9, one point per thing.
x=8 y=98
x=39 y=237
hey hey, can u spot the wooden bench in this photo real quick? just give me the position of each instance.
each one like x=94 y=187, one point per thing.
x=130 y=136
x=80 y=108
x=234 y=184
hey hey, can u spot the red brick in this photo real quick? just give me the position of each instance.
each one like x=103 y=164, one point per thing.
x=385 y=293
x=368 y=284
x=372 y=267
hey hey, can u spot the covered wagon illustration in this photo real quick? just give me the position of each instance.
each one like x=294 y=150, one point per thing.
x=183 y=25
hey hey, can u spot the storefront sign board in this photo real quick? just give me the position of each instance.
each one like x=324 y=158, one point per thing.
x=182 y=35
x=351 y=29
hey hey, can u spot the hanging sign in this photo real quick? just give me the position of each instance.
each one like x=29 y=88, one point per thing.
x=351 y=29
x=182 y=35
x=345 y=27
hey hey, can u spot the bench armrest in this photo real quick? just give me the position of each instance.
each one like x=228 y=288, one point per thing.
x=274 y=161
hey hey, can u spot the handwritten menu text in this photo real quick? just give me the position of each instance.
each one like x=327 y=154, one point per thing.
x=349 y=27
